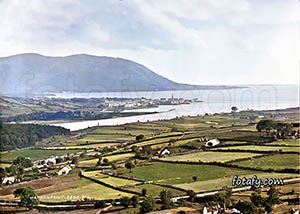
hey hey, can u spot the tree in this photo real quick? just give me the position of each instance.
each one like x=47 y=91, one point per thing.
x=99 y=161
x=192 y=195
x=195 y=178
x=234 y=108
x=27 y=197
x=2 y=174
x=99 y=204
x=134 y=148
x=246 y=207
x=273 y=197
x=147 y=205
x=144 y=192
x=139 y=137
x=125 y=201
x=129 y=165
x=266 y=125
x=75 y=160
x=113 y=166
x=22 y=161
x=135 y=201
x=148 y=151
x=256 y=198
x=165 y=197
x=105 y=161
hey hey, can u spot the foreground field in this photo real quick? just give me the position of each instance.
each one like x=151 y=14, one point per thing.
x=63 y=188
x=211 y=156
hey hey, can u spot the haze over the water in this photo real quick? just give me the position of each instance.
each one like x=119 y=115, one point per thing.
x=195 y=42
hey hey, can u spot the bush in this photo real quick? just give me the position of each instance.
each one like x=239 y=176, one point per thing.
x=99 y=204
x=125 y=201
x=147 y=205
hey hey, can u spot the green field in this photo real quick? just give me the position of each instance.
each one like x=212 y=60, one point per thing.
x=292 y=142
x=34 y=154
x=91 y=146
x=118 y=157
x=211 y=156
x=278 y=161
x=262 y=148
x=86 y=188
x=218 y=183
x=110 y=180
x=172 y=173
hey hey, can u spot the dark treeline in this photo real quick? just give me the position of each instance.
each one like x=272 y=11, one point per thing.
x=71 y=115
x=23 y=135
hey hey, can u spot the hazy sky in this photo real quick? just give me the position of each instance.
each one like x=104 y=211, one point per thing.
x=189 y=41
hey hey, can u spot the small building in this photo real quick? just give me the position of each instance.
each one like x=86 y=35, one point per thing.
x=212 y=143
x=8 y=180
x=50 y=161
x=65 y=170
x=165 y=151
x=210 y=210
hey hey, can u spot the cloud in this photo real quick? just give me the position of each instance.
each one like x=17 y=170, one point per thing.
x=202 y=42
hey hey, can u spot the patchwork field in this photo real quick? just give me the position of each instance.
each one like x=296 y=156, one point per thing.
x=211 y=156
x=63 y=188
x=110 y=180
x=262 y=148
x=118 y=157
x=278 y=161
x=218 y=183
x=34 y=154
x=172 y=173
x=91 y=146
x=293 y=142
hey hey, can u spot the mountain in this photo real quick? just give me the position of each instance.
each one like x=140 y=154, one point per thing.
x=34 y=73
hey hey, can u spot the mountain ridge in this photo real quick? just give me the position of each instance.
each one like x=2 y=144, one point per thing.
x=36 y=73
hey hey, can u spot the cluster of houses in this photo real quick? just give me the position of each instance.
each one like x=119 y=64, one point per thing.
x=44 y=165
x=218 y=210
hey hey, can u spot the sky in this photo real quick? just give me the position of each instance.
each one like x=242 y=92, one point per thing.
x=221 y=42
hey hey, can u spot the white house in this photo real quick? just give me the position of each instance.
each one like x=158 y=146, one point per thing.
x=8 y=180
x=65 y=170
x=210 y=210
x=165 y=151
x=50 y=160
x=212 y=142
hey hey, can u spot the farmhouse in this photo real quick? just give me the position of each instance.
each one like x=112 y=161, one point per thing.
x=50 y=161
x=8 y=180
x=212 y=142
x=210 y=210
x=65 y=170
x=165 y=151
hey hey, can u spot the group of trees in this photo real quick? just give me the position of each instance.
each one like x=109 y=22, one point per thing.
x=148 y=203
x=273 y=128
x=14 y=136
x=102 y=161
x=126 y=201
x=28 y=197
x=71 y=115
x=145 y=152
x=259 y=204
x=16 y=169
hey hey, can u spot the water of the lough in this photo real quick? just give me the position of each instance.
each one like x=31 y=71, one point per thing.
x=257 y=97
